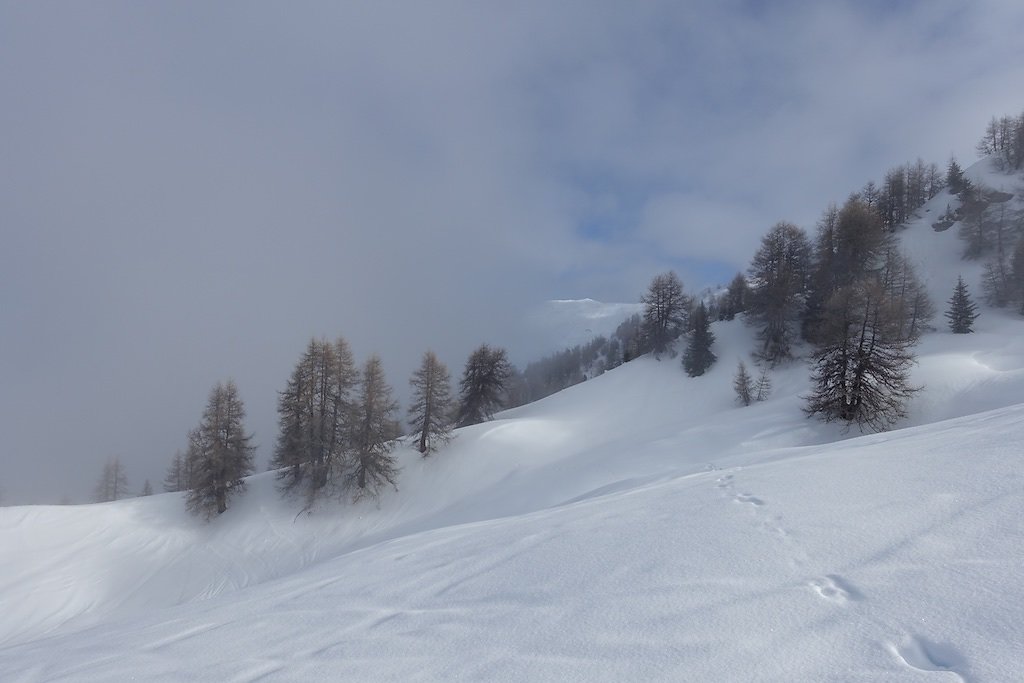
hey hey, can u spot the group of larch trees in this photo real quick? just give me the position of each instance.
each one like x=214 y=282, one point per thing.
x=698 y=356
x=848 y=293
x=668 y=314
x=855 y=298
x=851 y=295
x=864 y=311
x=337 y=426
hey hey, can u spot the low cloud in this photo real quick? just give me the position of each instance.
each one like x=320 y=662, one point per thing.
x=192 y=191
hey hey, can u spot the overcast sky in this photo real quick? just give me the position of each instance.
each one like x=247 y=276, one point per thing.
x=189 y=191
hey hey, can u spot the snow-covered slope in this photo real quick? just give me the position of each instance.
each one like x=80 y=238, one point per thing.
x=936 y=256
x=888 y=558
x=638 y=526
x=635 y=526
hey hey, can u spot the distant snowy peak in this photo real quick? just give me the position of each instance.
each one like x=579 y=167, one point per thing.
x=590 y=309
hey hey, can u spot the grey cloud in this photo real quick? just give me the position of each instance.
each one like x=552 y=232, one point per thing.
x=192 y=190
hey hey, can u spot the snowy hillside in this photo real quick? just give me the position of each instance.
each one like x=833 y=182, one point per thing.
x=937 y=256
x=960 y=382
x=637 y=526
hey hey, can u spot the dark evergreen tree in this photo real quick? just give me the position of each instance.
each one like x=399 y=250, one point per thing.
x=861 y=370
x=221 y=453
x=698 y=356
x=374 y=430
x=666 y=309
x=779 y=275
x=743 y=385
x=432 y=405
x=482 y=387
x=955 y=180
x=962 y=310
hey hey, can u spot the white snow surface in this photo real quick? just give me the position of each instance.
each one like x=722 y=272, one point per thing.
x=638 y=526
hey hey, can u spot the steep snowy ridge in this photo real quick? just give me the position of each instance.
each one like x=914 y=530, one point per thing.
x=637 y=526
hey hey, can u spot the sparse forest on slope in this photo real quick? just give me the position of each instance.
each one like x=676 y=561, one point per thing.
x=637 y=468
x=847 y=297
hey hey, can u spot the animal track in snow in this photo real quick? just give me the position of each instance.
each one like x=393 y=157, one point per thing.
x=749 y=498
x=923 y=655
x=835 y=589
x=727 y=485
x=769 y=523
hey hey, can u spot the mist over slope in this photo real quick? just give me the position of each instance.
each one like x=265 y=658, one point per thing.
x=638 y=525
x=564 y=323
